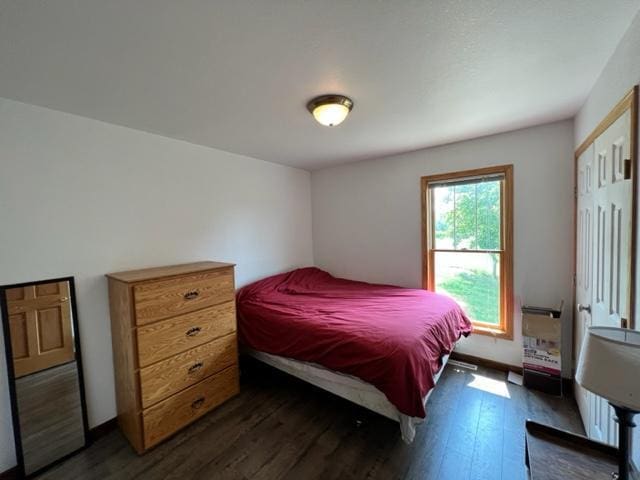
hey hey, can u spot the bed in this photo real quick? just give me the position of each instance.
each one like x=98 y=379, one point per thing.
x=380 y=346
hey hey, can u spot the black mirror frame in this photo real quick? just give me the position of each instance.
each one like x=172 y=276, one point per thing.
x=4 y=312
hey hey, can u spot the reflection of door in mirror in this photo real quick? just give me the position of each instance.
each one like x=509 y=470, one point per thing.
x=47 y=395
x=40 y=326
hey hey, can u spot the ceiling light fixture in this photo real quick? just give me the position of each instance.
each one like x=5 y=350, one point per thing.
x=330 y=110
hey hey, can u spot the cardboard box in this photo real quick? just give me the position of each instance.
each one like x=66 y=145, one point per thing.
x=544 y=327
x=541 y=355
x=541 y=349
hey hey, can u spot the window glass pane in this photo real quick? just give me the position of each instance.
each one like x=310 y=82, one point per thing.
x=488 y=214
x=464 y=217
x=473 y=280
x=467 y=216
x=443 y=217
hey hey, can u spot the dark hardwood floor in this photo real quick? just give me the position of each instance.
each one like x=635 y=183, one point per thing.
x=50 y=408
x=281 y=428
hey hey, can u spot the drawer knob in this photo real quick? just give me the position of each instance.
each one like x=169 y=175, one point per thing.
x=191 y=295
x=197 y=403
x=195 y=367
x=193 y=331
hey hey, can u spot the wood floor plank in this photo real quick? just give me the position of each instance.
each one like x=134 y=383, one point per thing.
x=455 y=465
x=282 y=428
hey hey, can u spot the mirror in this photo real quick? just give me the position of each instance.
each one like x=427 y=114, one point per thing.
x=45 y=372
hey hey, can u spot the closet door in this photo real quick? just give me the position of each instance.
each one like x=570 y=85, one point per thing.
x=584 y=263
x=612 y=204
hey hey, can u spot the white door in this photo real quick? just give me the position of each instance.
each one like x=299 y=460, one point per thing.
x=603 y=253
x=584 y=263
x=612 y=206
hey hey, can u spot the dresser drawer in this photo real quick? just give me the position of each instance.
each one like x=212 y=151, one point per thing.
x=168 y=416
x=167 y=377
x=165 y=298
x=164 y=339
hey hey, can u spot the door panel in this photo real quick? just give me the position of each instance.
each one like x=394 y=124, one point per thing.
x=40 y=326
x=19 y=335
x=584 y=262
x=612 y=199
x=50 y=329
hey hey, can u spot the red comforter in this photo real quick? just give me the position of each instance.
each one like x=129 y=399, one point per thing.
x=391 y=337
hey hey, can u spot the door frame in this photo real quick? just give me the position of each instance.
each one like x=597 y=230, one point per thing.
x=628 y=102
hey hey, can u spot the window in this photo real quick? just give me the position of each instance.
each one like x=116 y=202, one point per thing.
x=467 y=231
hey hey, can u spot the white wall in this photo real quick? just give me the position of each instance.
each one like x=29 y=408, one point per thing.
x=620 y=74
x=366 y=220
x=84 y=198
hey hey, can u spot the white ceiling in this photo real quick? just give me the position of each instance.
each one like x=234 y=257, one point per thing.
x=236 y=74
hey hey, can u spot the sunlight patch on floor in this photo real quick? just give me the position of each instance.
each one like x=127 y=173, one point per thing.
x=490 y=385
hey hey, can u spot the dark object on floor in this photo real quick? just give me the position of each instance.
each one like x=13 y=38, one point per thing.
x=552 y=453
x=551 y=384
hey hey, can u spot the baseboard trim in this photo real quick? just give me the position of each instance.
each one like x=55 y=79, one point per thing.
x=567 y=383
x=103 y=429
x=484 y=362
x=95 y=433
x=11 y=474
x=567 y=387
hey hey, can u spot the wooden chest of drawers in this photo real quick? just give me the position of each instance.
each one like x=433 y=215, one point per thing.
x=174 y=346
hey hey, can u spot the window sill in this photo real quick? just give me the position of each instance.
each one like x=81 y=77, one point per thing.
x=492 y=332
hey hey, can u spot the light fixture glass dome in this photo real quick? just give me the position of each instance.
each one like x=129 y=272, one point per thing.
x=330 y=110
x=330 y=115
